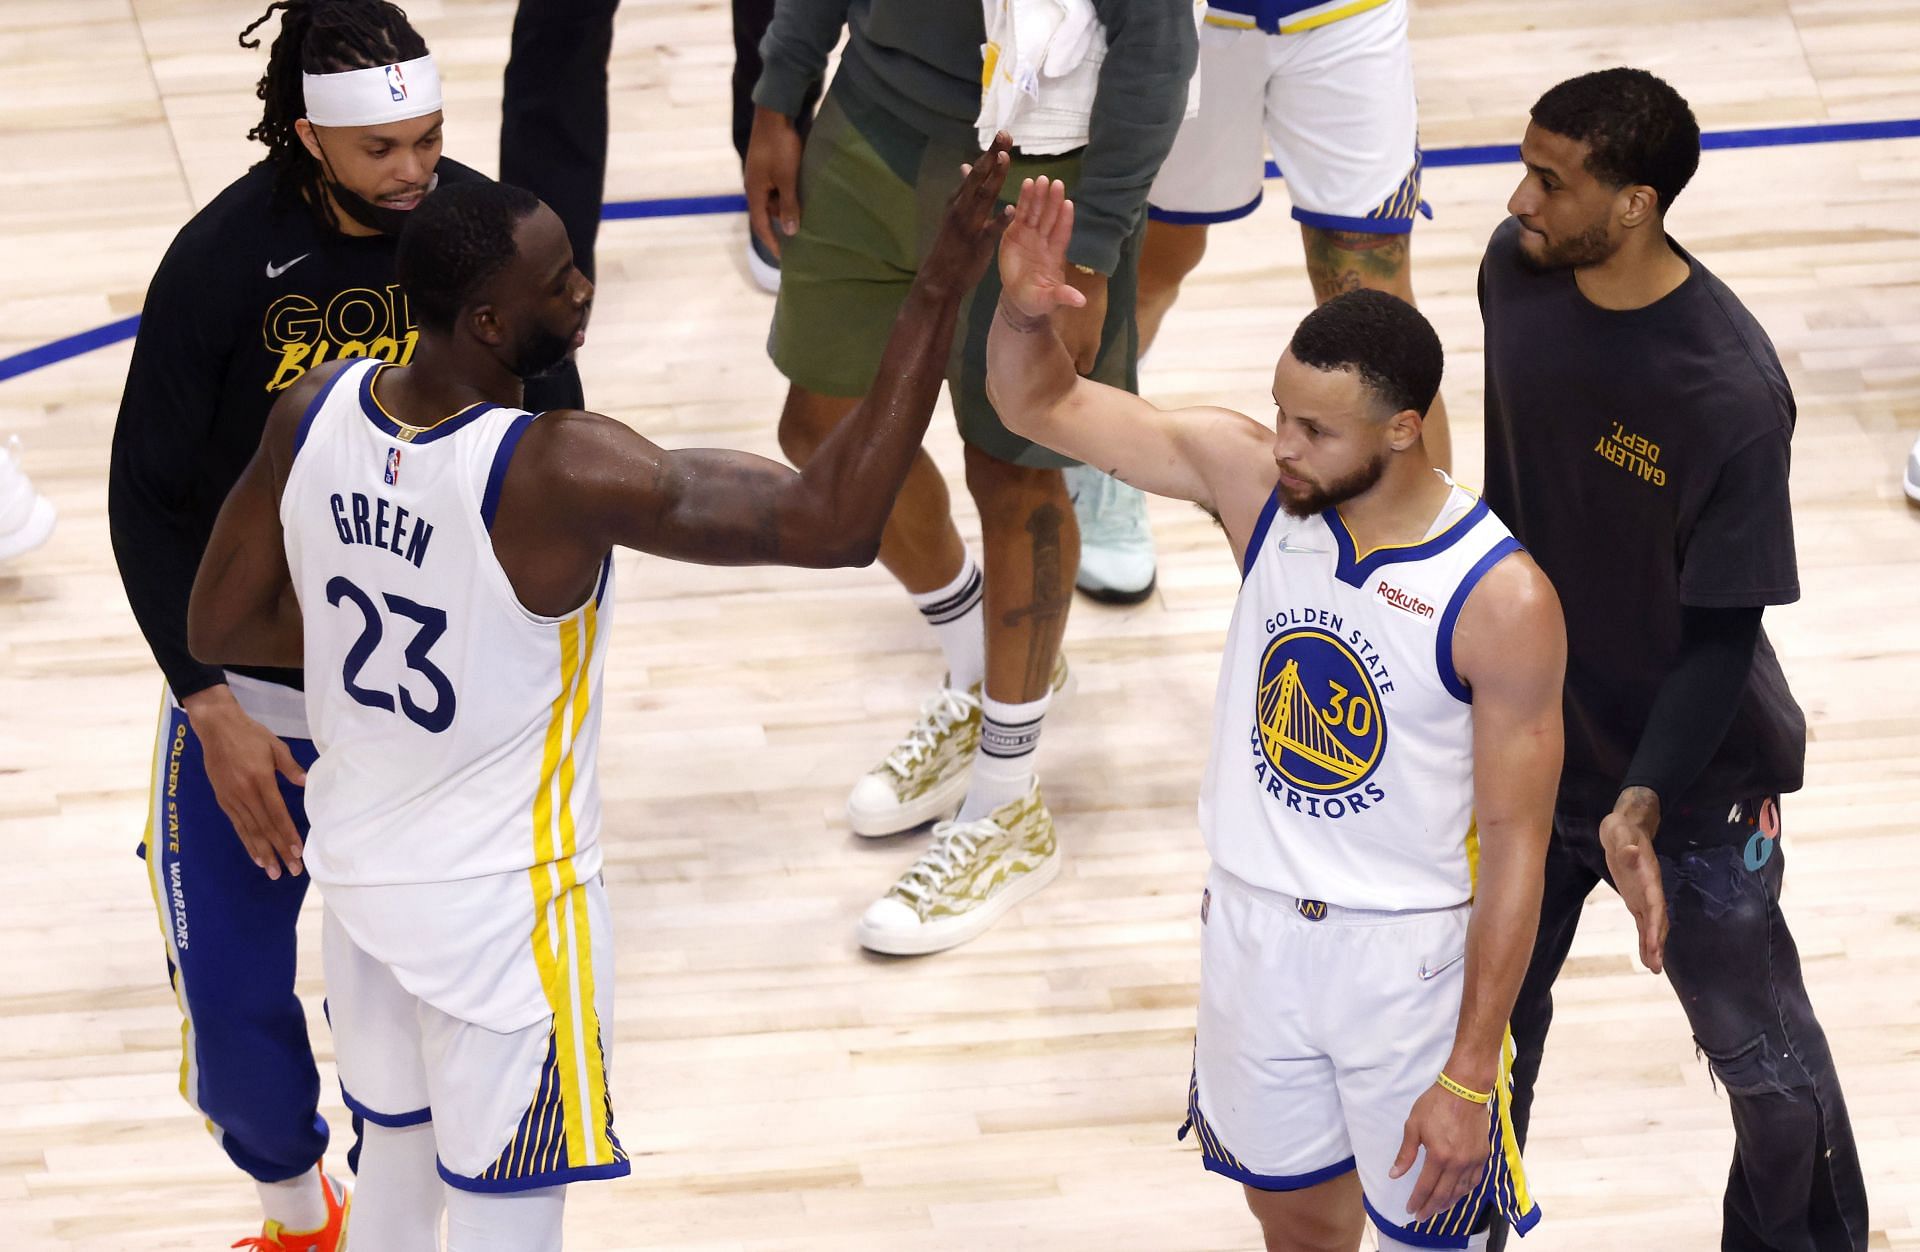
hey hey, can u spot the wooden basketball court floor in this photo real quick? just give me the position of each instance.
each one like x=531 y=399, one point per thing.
x=776 y=1087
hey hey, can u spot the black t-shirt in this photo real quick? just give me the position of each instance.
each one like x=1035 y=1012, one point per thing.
x=249 y=297
x=1642 y=456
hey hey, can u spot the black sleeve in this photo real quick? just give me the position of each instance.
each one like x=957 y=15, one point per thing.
x=1740 y=550
x=1697 y=700
x=167 y=416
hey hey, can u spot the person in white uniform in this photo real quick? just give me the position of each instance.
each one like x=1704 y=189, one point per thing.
x=439 y=560
x=1327 y=87
x=1386 y=745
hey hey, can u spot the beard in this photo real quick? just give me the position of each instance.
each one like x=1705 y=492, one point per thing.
x=1319 y=497
x=540 y=353
x=1589 y=247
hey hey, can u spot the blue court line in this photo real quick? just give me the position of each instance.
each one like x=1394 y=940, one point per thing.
x=699 y=206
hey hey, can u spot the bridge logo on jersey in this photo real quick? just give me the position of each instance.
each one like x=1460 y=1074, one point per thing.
x=1317 y=713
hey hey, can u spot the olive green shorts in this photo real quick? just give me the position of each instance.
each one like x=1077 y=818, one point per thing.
x=873 y=191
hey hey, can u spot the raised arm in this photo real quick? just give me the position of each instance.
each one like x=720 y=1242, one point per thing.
x=1510 y=649
x=586 y=483
x=1215 y=457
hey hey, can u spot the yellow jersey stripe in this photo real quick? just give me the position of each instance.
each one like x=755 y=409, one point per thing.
x=581 y=695
x=593 y=1060
x=552 y=880
x=543 y=847
x=1473 y=855
x=581 y=1060
x=1330 y=16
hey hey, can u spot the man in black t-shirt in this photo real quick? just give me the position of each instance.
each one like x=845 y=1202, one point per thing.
x=288 y=268
x=1638 y=430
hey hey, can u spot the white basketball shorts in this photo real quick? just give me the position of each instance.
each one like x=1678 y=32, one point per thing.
x=513 y=1110
x=1319 y=1028
x=1334 y=103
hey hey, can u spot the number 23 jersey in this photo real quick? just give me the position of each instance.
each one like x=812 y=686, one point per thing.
x=1342 y=762
x=456 y=791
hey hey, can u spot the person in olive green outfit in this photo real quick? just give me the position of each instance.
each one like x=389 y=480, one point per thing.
x=851 y=219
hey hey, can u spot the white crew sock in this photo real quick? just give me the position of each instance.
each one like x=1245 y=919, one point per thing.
x=1003 y=768
x=957 y=619
x=513 y=1221
x=297 y=1204
x=397 y=1200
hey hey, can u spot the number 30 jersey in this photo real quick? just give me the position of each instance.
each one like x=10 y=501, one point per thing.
x=1342 y=763
x=456 y=794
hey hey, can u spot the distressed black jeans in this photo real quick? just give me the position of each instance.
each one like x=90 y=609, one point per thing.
x=1795 y=1184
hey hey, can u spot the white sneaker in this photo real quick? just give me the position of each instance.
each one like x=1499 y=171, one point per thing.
x=968 y=878
x=1116 y=547
x=26 y=516
x=1912 y=480
x=762 y=265
x=926 y=775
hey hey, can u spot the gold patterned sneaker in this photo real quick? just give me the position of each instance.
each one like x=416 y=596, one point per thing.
x=971 y=874
x=926 y=775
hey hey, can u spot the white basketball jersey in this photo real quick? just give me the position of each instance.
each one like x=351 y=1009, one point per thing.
x=1342 y=764
x=456 y=794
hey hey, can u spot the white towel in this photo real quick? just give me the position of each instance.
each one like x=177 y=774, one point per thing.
x=1041 y=69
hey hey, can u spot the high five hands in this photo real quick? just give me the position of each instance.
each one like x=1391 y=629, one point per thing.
x=973 y=224
x=1033 y=256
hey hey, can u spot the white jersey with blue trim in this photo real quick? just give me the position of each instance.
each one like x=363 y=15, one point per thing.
x=456 y=796
x=1342 y=763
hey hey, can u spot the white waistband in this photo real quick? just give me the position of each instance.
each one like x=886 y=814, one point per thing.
x=1321 y=910
x=281 y=710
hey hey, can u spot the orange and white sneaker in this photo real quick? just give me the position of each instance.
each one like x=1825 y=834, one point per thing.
x=332 y=1237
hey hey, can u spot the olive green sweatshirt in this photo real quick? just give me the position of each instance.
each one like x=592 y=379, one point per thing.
x=920 y=61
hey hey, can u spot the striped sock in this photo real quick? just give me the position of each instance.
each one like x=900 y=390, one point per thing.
x=1003 y=769
x=957 y=619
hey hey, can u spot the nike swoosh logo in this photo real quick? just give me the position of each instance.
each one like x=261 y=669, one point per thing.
x=1428 y=975
x=274 y=271
x=1292 y=550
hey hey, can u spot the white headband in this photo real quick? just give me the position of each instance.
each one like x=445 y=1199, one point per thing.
x=385 y=93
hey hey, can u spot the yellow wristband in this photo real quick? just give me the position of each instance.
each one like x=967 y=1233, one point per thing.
x=1465 y=1093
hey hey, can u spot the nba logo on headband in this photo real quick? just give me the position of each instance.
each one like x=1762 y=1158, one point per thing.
x=373 y=96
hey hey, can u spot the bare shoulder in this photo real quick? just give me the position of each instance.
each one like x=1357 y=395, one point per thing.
x=573 y=460
x=1511 y=622
x=579 y=442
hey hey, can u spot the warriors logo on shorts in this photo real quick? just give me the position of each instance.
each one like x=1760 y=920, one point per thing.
x=1318 y=712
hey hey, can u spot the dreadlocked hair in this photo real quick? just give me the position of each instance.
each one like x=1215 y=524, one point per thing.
x=318 y=37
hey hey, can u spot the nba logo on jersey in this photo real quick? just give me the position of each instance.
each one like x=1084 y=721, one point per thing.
x=393 y=466
x=396 y=82
x=1317 y=713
